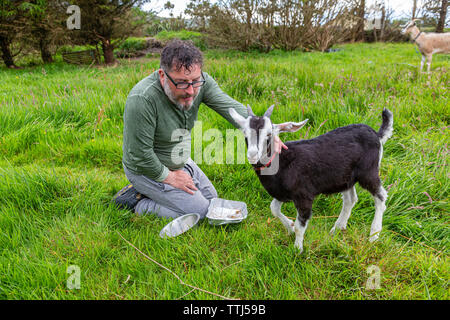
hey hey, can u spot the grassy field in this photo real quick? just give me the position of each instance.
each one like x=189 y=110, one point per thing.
x=60 y=165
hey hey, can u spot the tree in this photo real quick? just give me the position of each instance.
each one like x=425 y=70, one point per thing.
x=12 y=23
x=360 y=11
x=107 y=22
x=200 y=11
x=44 y=26
x=231 y=23
x=264 y=24
x=324 y=23
x=442 y=16
x=435 y=14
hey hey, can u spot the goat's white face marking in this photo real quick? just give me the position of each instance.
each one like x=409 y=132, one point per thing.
x=258 y=134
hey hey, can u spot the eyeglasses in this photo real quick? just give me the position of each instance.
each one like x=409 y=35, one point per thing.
x=185 y=85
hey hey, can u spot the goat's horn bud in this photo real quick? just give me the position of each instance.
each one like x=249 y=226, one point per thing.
x=268 y=113
x=250 y=111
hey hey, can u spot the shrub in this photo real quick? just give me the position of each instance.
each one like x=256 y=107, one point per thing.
x=196 y=37
x=131 y=47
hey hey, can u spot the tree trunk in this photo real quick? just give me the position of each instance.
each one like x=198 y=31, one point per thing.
x=442 y=16
x=108 y=51
x=383 y=22
x=45 y=52
x=361 y=12
x=6 y=53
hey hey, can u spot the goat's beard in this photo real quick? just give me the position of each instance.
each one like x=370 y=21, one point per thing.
x=174 y=99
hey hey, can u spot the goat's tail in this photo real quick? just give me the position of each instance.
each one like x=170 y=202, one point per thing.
x=387 y=127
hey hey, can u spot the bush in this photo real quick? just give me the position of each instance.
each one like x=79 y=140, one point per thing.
x=73 y=48
x=131 y=47
x=196 y=37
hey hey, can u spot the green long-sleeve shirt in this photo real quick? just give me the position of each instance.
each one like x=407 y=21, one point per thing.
x=156 y=131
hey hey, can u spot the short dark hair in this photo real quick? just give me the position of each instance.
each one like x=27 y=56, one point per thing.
x=177 y=54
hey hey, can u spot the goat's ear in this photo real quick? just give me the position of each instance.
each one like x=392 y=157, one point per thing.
x=289 y=126
x=240 y=120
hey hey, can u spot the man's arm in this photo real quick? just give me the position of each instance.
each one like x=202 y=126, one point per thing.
x=220 y=102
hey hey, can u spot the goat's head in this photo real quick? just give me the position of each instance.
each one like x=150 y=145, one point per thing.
x=409 y=26
x=260 y=131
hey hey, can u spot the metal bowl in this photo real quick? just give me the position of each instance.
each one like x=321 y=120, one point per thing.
x=179 y=225
x=232 y=211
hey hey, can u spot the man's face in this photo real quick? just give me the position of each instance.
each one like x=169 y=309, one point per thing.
x=183 y=98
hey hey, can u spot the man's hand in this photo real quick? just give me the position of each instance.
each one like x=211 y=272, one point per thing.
x=278 y=144
x=181 y=180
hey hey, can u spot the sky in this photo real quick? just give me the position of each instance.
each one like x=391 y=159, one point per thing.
x=401 y=7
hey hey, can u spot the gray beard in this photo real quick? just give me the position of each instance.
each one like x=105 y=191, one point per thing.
x=171 y=97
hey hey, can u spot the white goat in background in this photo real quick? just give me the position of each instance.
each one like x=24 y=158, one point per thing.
x=428 y=43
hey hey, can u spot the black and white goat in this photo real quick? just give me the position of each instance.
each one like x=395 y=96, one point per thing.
x=327 y=164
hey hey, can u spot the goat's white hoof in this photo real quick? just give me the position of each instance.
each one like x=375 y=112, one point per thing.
x=337 y=227
x=374 y=237
x=289 y=227
x=299 y=246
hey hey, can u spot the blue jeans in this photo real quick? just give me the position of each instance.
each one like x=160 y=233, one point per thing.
x=170 y=202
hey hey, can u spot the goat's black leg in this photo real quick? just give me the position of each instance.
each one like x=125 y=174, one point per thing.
x=304 y=210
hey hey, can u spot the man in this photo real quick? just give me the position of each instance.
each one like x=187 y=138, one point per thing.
x=159 y=114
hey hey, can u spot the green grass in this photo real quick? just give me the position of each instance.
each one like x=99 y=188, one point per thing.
x=60 y=165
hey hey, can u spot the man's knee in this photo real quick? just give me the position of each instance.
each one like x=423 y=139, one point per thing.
x=200 y=205
x=211 y=193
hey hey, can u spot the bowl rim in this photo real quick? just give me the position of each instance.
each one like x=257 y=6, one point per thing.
x=163 y=234
x=244 y=207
